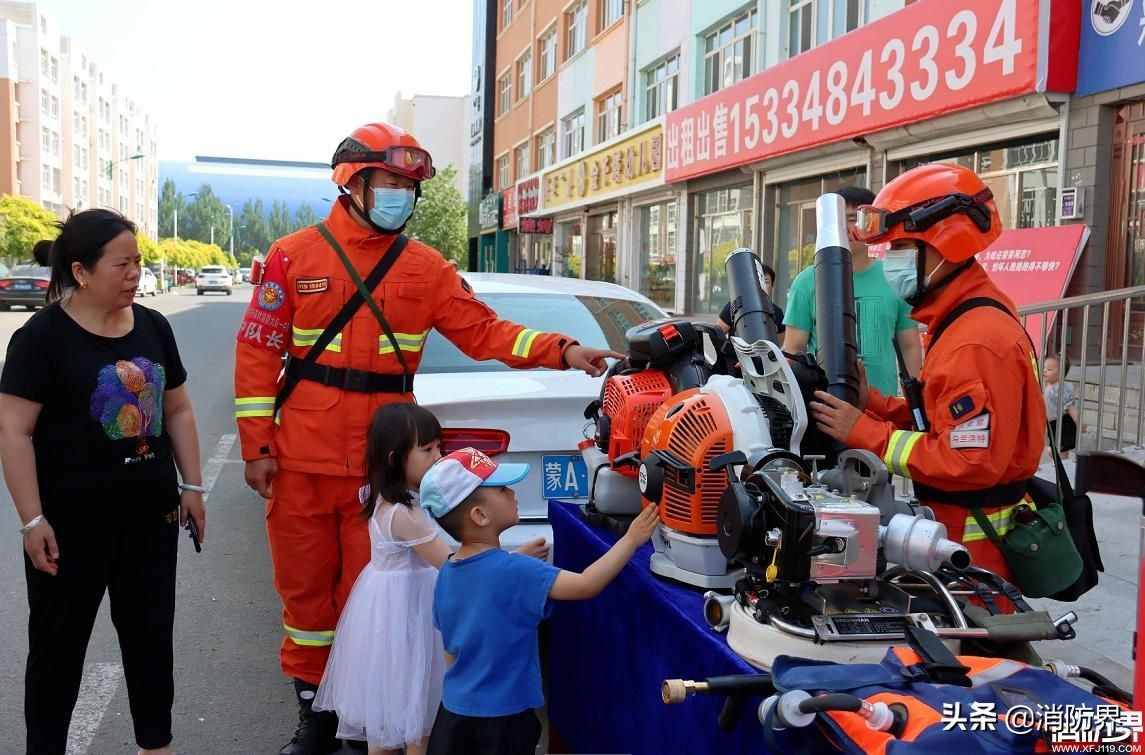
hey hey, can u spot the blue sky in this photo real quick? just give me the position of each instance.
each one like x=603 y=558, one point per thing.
x=279 y=80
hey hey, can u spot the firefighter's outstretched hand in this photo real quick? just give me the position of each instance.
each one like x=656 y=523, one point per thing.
x=591 y=361
x=260 y=475
x=834 y=416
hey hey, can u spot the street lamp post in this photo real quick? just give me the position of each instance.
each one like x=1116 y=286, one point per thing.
x=231 y=210
x=111 y=164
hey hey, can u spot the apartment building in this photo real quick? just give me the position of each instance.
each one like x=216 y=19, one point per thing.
x=433 y=120
x=70 y=135
x=641 y=141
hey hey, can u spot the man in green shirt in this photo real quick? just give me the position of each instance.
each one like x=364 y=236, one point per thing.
x=884 y=318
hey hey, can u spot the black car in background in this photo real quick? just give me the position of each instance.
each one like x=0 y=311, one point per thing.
x=26 y=286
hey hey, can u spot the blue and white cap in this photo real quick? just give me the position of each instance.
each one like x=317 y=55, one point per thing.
x=455 y=476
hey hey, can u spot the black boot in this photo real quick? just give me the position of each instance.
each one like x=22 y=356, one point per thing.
x=316 y=731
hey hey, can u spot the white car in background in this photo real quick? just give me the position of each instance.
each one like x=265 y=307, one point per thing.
x=534 y=416
x=213 y=278
x=148 y=284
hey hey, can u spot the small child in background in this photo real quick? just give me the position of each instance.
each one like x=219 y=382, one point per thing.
x=488 y=605
x=384 y=674
x=1060 y=394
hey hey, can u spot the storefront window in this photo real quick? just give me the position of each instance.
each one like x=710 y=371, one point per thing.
x=1022 y=175
x=600 y=262
x=570 y=240
x=796 y=234
x=724 y=226
x=537 y=253
x=658 y=253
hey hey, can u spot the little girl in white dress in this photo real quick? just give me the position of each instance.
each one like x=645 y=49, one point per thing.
x=383 y=677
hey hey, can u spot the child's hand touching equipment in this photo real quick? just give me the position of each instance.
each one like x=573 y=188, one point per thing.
x=536 y=548
x=643 y=526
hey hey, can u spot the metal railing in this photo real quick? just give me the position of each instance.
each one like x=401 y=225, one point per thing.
x=1057 y=324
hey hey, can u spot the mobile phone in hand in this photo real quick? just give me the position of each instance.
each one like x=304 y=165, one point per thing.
x=194 y=532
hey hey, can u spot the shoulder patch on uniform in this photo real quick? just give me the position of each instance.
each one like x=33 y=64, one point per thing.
x=961 y=406
x=270 y=296
x=311 y=285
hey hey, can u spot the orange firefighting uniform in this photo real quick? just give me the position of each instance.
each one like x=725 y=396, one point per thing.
x=982 y=397
x=318 y=538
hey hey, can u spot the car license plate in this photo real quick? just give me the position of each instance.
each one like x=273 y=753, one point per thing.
x=22 y=287
x=564 y=476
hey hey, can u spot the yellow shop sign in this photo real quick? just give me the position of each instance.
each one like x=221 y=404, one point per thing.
x=626 y=164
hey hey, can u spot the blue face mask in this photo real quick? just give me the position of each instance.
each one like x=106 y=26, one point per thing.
x=392 y=207
x=901 y=271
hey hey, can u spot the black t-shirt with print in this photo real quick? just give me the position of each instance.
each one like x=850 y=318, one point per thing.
x=101 y=429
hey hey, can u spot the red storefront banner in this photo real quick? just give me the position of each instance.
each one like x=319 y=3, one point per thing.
x=509 y=208
x=536 y=225
x=1034 y=266
x=529 y=195
x=931 y=58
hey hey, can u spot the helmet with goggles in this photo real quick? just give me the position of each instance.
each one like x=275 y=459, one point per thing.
x=381 y=146
x=947 y=207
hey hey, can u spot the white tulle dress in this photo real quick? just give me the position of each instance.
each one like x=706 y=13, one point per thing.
x=383 y=677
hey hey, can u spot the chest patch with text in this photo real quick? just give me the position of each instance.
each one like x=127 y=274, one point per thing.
x=311 y=285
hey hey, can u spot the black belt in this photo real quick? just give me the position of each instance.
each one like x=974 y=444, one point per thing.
x=999 y=495
x=348 y=379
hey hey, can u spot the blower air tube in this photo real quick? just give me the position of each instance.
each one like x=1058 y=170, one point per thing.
x=835 y=321
x=752 y=318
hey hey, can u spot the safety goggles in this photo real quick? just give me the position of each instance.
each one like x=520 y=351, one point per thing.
x=411 y=162
x=871 y=223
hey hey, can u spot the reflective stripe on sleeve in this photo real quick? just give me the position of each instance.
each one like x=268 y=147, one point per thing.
x=254 y=406
x=524 y=343
x=316 y=638
x=902 y=442
x=406 y=342
x=309 y=337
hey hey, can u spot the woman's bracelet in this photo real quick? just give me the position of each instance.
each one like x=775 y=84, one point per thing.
x=184 y=487
x=32 y=523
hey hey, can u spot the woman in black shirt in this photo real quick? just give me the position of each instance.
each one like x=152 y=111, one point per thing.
x=94 y=419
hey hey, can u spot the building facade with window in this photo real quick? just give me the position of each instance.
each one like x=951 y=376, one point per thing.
x=560 y=92
x=856 y=92
x=764 y=105
x=1103 y=163
x=70 y=137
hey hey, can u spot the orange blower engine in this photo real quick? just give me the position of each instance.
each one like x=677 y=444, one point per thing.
x=690 y=439
x=664 y=357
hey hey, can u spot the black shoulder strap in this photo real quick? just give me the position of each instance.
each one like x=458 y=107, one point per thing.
x=352 y=305
x=961 y=309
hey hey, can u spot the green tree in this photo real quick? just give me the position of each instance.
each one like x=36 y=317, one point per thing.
x=253 y=233
x=440 y=218
x=304 y=216
x=170 y=201
x=22 y=224
x=148 y=249
x=279 y=222
x=205 y=213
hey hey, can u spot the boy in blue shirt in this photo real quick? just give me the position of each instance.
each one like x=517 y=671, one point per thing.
x=488 y=604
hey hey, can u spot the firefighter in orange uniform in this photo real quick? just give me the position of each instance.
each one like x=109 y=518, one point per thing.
x=308 y=458
x=982 y=400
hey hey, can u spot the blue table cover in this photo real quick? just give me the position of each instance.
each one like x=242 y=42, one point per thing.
x=608 y=657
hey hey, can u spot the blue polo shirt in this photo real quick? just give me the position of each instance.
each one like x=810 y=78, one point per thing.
x=487 y=608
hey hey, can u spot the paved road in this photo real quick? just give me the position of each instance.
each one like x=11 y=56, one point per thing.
x=230 y=695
